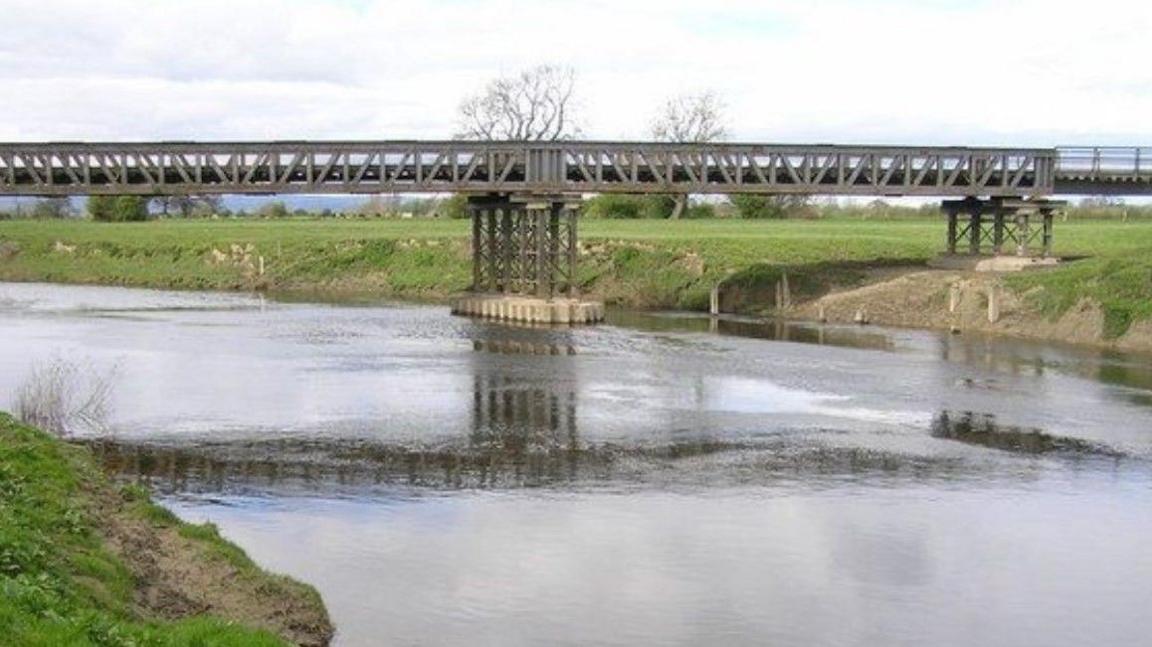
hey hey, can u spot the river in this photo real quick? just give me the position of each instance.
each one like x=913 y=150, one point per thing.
x=659 y=480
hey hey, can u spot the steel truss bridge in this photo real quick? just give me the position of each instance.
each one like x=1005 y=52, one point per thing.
x=49 y=169
x=524 y=195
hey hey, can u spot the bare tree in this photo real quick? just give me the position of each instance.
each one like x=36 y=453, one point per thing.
x=692 y=118
x=535 y=105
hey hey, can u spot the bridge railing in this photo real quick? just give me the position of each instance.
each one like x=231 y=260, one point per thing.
x=1104 y=162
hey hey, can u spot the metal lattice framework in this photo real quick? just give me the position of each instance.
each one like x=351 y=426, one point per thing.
x=524 y=247
x=991 y=224
x=516 y=167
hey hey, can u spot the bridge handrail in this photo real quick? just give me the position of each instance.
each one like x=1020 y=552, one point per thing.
x=465 y=145
x=1098 y=161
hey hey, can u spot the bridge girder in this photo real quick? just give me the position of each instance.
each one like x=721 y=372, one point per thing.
x=521 y=168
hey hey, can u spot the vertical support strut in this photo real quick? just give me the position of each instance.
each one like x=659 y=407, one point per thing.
x=952 y=229
x=573 y=283
x=554 y=267
x=1047 y=236
x=478 y=247
x=998 y=232
x=975 y=218
x=1023 y=233
x=543 y=265
x=505 y=272
x=493 y=251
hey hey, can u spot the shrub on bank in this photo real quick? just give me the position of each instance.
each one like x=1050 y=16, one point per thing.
x=117 y=208
x=622 y=206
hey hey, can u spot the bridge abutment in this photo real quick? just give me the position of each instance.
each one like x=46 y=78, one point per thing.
x=524 y=255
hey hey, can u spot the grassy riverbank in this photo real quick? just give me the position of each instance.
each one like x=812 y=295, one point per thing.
x=637 y=263
x=85 y=563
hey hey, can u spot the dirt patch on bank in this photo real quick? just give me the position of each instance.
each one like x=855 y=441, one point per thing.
x=1138 y=337
x=178 y=576
x=966 y=301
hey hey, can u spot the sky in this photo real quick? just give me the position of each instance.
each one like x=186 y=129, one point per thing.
x=1043 y=72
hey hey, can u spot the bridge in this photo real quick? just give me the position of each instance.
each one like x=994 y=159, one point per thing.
x=48 y=169
x=524 y=196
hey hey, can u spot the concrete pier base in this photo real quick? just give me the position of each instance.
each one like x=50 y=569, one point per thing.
x=974 y=263
x=528 y=309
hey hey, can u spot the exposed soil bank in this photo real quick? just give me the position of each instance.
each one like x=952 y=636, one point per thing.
x=969 y=301
x=83 y=562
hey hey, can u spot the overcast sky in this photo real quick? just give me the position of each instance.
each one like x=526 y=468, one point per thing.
x=1038 y=72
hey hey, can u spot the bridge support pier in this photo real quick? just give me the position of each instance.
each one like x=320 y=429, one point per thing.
x=994 y=222
x=524 y=253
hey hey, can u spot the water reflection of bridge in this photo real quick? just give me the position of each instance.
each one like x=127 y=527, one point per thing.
x=522 y=428
x=522 y=433
x=511 y=454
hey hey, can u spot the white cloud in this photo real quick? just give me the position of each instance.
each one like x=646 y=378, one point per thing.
x=1025 y=72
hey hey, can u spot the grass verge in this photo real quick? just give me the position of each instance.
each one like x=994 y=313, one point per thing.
x=72 y=549
x=633 y=263
x=1120 y=284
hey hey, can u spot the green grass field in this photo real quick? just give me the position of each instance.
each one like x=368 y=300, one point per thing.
x=639 y=263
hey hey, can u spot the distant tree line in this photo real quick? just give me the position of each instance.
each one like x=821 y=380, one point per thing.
x=606 y=206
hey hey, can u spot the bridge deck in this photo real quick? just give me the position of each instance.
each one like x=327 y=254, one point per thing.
x=564 y=167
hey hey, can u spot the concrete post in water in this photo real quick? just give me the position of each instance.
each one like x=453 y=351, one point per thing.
x=953 y=297
x=994 y=303
x=714 y=300
x=785 y=293
x=821 y=316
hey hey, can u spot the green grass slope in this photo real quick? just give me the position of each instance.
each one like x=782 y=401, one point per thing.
x=59 y=582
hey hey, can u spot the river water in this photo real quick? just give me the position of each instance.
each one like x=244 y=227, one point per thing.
x=660 y=480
